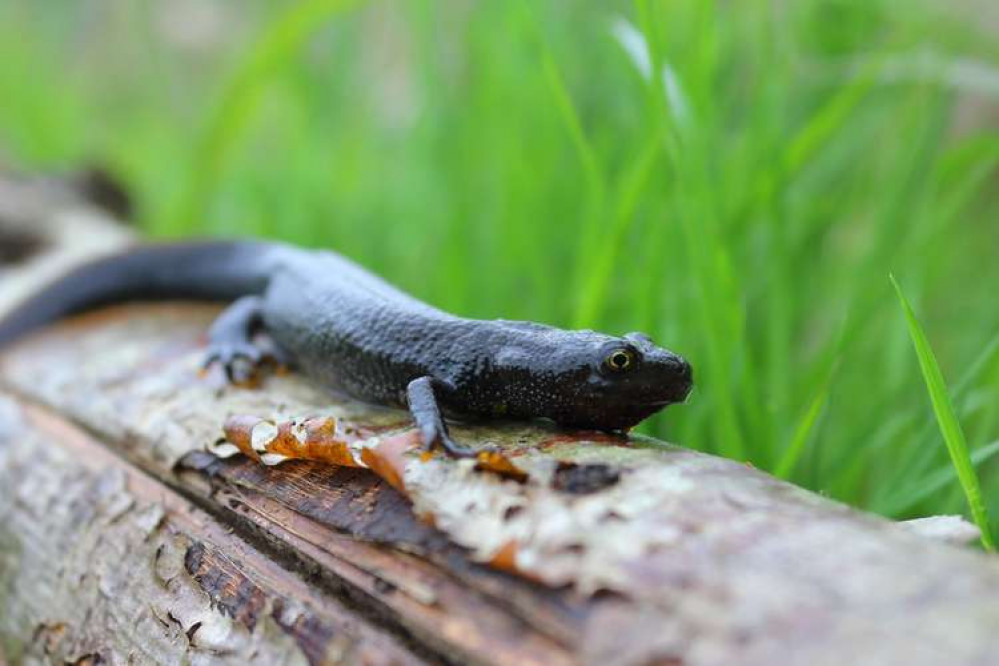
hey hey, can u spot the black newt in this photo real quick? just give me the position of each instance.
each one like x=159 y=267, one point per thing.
x=355 y=333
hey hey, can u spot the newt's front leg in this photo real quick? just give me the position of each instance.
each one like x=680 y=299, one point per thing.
x=427 y=414
x=231 y=343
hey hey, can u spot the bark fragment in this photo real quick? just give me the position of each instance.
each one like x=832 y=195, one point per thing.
x=103 y=564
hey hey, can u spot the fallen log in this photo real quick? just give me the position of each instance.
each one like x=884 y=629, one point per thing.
x=139 y=521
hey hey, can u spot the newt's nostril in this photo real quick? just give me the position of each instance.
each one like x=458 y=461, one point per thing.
x=681 y=368
x=686 y=371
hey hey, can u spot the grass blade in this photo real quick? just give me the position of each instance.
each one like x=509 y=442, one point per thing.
x=586 y=152
x=939 y=480
x=802 y=433
x=593 y=292
x=950 y=427
x=240 y=100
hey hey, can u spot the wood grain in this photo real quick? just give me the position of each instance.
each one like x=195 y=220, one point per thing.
x=702 y=559
x=173 y=583
x=124 y=537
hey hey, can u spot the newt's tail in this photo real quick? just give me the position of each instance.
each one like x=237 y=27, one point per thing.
x=209 y=270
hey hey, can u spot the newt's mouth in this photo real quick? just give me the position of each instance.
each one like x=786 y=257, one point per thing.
x=659 y=404
x=676 y=395
x=682 y=393
x=625 y=417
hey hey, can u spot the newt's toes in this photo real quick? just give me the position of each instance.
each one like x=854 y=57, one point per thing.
x=456 y=450
x=239 y=362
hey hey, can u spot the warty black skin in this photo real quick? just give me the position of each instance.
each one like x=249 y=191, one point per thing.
x=355 y=333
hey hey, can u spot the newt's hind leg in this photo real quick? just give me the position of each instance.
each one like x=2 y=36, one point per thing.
x=231 y=344
x=427 y=414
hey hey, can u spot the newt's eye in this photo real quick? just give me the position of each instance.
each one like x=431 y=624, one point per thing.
x=620 y=360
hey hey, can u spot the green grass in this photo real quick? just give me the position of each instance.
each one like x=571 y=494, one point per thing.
x=950 y=426
x=735 y=179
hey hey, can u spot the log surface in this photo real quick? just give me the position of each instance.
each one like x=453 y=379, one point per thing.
x=124 y=538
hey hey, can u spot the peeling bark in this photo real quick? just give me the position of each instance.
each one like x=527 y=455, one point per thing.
x=124 y=532
x=708 y=560
x=101 y=560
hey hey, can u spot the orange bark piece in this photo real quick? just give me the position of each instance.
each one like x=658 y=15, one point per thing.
x=498 y=463
x=239 y=431
x=322 y=442
x=589 y=436
x=505 y=559
x=387 y=459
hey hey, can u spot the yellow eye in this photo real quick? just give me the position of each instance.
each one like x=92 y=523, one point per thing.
x=619 y=360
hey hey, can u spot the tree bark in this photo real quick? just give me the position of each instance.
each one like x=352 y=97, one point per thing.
x=132 y=531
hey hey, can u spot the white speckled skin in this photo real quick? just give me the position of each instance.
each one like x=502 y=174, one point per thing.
x=353 y=332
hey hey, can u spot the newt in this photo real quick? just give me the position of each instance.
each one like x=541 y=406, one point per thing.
x=356 y=334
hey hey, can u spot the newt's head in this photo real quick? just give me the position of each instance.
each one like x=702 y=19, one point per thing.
x=586 y=379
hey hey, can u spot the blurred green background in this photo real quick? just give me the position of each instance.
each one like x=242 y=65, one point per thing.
x=736 y=178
